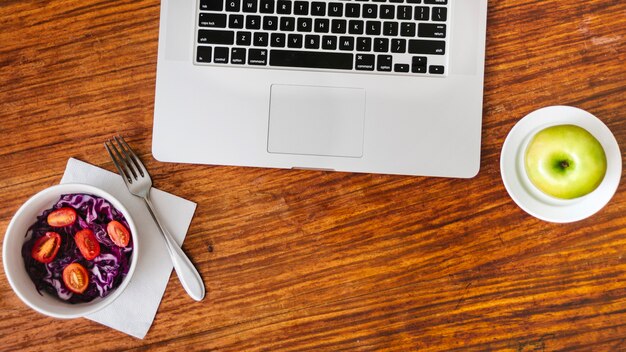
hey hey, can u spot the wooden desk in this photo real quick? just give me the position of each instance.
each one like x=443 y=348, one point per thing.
x=301 y=260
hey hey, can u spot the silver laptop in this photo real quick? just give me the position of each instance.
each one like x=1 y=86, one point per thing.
x=377 y=86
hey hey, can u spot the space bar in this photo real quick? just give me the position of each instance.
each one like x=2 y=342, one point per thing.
x=311 y=59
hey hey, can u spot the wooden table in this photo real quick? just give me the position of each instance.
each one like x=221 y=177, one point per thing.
x=323 y=261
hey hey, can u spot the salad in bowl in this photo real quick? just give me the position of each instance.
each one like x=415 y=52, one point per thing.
x=70 y=250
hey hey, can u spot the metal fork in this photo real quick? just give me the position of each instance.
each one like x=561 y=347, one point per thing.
x=139 y=184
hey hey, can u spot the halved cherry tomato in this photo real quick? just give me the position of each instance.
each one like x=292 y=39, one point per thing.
x=46 y=247
x=62 y=217
x=76 y=278
x=118 y=233
x=87 y=243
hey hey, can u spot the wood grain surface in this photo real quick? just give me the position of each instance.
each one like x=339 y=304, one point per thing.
x=324 y=261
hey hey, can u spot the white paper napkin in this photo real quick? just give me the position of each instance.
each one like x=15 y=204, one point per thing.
x=134 y=310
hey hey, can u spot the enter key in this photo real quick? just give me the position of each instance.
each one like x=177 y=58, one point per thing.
x=431 y=30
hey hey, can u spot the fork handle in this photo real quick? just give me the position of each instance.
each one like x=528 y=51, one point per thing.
x=187 y=273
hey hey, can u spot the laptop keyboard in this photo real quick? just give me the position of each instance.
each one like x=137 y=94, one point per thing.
x=399 y=37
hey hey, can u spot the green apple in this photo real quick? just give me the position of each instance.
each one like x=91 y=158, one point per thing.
x=565 y=161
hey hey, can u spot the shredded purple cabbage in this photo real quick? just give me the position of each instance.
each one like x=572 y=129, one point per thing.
x=106 y=271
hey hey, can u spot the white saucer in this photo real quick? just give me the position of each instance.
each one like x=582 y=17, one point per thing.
x=531 y=199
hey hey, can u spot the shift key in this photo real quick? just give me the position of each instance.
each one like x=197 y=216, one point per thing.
x=210 y=36
x=432 y=47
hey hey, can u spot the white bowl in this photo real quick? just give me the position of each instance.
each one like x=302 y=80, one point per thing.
x=13 y=262
x=530 y=198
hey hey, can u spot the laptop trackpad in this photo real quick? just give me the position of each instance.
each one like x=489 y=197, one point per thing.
x=316 y=120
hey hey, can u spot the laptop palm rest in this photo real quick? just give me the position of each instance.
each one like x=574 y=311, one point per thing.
x=314 y=120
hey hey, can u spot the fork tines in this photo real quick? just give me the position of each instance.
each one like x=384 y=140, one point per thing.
x=124 y=158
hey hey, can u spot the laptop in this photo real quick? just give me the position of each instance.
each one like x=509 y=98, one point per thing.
x=372 y=86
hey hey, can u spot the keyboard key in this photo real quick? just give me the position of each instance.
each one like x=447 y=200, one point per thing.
x=373 y=27
x=435 y=70
x=339 y=26
x=210 y=36
x=440 y=14
x=363 y=44
x=235 y=21
x=283 y=7
x=418 y=64
x=294 y=41
x=418 y=69
x=335 y=9
x=404 y=13
x=390 y=28
x=318 y=8
x=266 y=6
x=419 y=61
x=253 y=22
x=383 y=63
x=257 y=57
x=312 y=41
x=431 y=30
x=436 y=2
x=244 y=38
x=322 y=25
x=211 y=5
x=305 y=24
x=398 y=45
x=270 y=23
x=401 y=68
x=287 y=24
x=278 y=40
x=365 y=62
x=260 y=39
x=381 y=45
x=387 y=12
x=214 y=20
x=433 y=47
x=238 y=56
x=346 y=43
x=329 y=42
x=250 y=6
x=422 y=13
x=353 y=10
x=355 y=27
x=301 y=8
x=370 y=10
x=221 y=55
x=203 y=54
x=311 y=59
x=233 y=5
x=407 y=29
